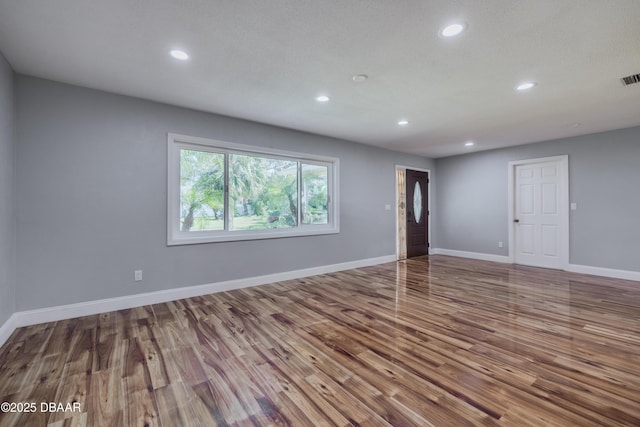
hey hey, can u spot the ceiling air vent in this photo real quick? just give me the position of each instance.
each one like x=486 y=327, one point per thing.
x=632 y=79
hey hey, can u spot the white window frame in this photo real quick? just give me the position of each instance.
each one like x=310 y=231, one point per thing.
x=175 y=236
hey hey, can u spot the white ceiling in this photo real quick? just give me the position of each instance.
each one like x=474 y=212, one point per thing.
x=267 y=60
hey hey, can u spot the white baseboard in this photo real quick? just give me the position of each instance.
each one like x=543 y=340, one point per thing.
x=605 y=272
x=7 y=329
x=52 y=314
x=472 y=255
x=574 y=268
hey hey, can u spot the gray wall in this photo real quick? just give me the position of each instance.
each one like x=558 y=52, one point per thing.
x=91 y=196
x=604 y=175
x=7 y=218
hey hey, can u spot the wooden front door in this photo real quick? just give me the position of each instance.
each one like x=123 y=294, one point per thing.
x=417 y=213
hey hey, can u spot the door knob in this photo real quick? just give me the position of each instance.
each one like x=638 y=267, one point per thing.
x=516 y=220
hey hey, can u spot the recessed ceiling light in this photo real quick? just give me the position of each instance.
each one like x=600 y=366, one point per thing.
x=403 y=122
x=526 y=86
x=469 y=144
x=322 y=98
x=359 y=78
x=453 y=29
x=179 y=54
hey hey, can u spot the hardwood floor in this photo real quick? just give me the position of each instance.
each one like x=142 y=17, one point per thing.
x=427 y=342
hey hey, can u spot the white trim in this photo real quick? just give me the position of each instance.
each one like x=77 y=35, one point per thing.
x=564 y=199
x=7 y=329
x=604 y=272
x=52 y=314
x=572 y=268
x=235 y=147
x=429 y=209
x=472 y=255
x=175 y=236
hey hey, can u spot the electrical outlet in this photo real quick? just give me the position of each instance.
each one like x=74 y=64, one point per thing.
x=500 y=244
x=137 y=275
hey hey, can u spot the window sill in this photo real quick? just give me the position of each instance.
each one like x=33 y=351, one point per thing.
x=200 y=237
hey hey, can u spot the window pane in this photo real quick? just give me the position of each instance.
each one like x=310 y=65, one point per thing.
x=263 y=193
x=201 y=190
x=315 y=200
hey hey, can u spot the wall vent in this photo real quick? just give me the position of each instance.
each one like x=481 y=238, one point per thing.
x=632 y=79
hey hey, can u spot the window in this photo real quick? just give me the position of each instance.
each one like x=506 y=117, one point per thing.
x=219 y=191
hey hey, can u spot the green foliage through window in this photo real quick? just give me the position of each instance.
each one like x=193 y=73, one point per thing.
x=315 y=200
x=201 y=190
x=262 y=192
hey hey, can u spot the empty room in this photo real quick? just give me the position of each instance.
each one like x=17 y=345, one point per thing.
x=320 y=213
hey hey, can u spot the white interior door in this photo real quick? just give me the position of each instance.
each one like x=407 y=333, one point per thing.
x=538 y=214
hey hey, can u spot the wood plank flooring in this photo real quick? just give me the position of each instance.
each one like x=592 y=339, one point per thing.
x=437 y=341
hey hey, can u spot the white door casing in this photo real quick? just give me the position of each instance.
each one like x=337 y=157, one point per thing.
x=538 y=212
